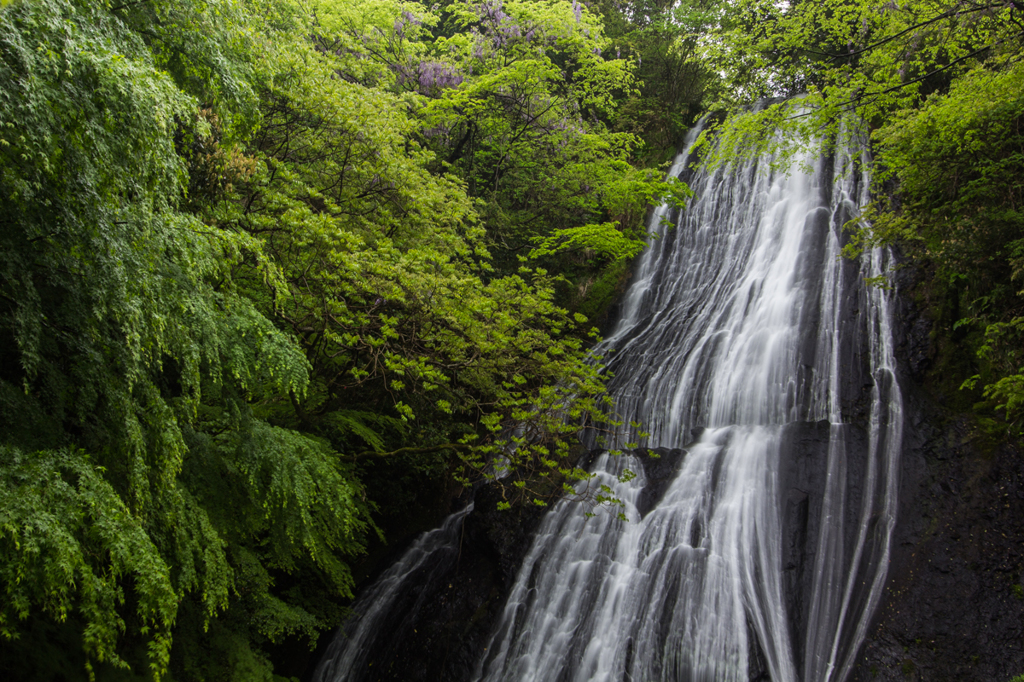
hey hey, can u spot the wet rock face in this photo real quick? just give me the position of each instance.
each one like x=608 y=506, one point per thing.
x=912 y=330
x=660 y=466
x=954 y=609
x=954 y=605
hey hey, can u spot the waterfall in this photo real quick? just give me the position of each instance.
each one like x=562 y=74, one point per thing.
x=742 y=334
x=761 y=366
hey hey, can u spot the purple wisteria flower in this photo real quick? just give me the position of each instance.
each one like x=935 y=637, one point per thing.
x=499 y=26
x=428 y=76
x=491 y=10
x=438 y=75
x=407 y=18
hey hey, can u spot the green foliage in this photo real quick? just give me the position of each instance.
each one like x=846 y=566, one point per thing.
x=247 y=296
x=514 y=99
x=124 y=336
x=388 y=284
x=957 y=159
x=664 y=40
x=850 y=57
x=67 y=541
x=604 y=239
x=395 y=313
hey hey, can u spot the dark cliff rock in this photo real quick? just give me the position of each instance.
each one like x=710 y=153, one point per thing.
x=954 y=604
x=660 y=466
x=954 y=607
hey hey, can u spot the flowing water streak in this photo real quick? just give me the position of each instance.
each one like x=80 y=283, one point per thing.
x=836 y=615
x=377 y=609
x=742 y=323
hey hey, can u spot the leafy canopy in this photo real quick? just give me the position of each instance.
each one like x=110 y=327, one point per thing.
x=246 y=283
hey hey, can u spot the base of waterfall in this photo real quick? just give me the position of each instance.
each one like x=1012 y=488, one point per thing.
x=441 y=626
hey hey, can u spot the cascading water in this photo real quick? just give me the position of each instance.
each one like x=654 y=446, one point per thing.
x=743 y=328
x=747 y=342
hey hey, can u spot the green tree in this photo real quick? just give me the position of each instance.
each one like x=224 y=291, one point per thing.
x=235 y=276
x=418 y=347
x=515 y=99
x=126 y=346
x=676 y=83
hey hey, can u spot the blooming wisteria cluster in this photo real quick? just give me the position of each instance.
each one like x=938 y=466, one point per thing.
x=492 y=11
x=500 y=27
x=407 y=18
x=496 y=31
x=429 y=76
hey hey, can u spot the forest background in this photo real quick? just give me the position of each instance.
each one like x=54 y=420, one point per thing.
x=278 y=277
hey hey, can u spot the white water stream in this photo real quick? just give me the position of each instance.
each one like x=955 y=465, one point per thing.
x=742 y=321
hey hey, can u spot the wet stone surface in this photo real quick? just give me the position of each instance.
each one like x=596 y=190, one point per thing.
x=954 y=608
x=954 y=604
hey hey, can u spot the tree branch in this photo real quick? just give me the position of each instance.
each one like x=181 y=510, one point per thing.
x=891 y=38
x=412 y=450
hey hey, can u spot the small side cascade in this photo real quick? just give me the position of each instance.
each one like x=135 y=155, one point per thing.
x=378 y=611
